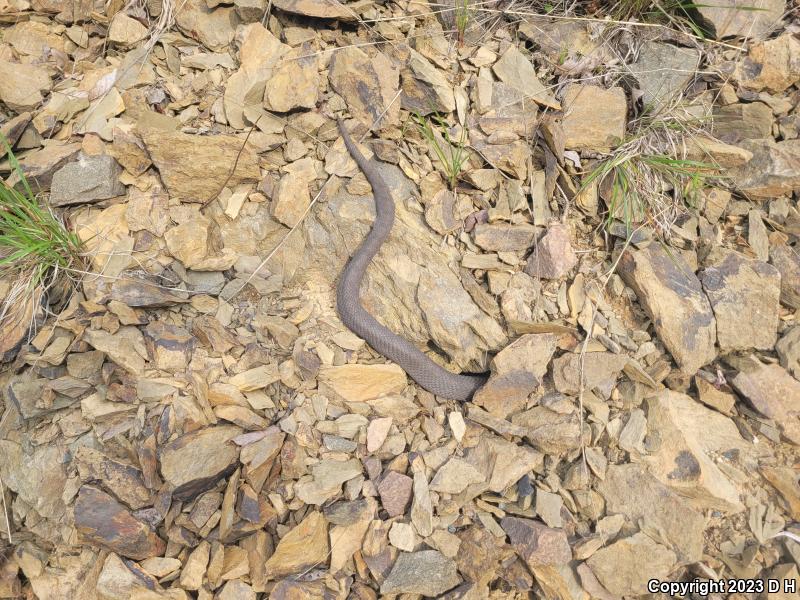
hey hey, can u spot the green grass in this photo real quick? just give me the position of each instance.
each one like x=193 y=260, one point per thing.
x=463 y=16
x=648 y=178
x=451 y=154
x=677 y=13
x=35 y=247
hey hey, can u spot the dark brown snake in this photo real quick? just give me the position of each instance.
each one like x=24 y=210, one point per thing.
x=419 y=367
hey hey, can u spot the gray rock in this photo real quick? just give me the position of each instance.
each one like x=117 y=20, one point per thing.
x=663 y=71
x=504 y=237
x=731 y=18
x=427 y=572
x=673 y=298
x=744 y=295
x=89 y=179
x=736 y=122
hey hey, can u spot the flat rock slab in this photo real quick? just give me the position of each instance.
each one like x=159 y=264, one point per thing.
x=303 y=547
x=427 y=572
x=194 y=168
x=672 y=296
x=410 y=285
x=38 y=477
x=594 y=117
x=124 y=480
x=632 y=491
x=663 y=71
x=692 y=439
x=89 y=179
x=735 y=18
x=321 y=9
x=105 y=522
x=773 y=392
x=196 y=461
x=787 y=260
x=773 y=170
x=744 y=295
x=625 y=567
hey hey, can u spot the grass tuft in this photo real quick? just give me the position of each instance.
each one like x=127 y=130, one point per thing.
x=649 y=177
x=679 y=14
x=36 y=250
x=451 y=154
x=462 y=18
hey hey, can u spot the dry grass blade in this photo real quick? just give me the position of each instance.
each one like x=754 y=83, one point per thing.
x=36 y=249
x=649 y=177
x=5 y=510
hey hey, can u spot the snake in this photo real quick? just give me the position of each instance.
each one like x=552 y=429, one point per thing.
x=428 y=374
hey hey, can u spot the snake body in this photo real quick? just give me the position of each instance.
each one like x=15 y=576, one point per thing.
x=419 y=367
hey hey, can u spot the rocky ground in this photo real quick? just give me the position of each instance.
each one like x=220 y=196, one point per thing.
x=195 y=422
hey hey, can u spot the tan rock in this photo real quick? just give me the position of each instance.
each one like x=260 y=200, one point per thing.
x=294 y=82
x=359 y=383
x=514 y=69
x=625 y=567
x=33 y=38
x=691 y=436
x=194 y=462
x=455 y=476
x=376 y=433
x=194 y=570
x=773 y=170
x=213 y=28
x=773 y=392
x=735 y=18
x=710 y=395
x=126 y=347
x=188 y=242
x=159 y=566
x=291 y=199
x=673 y=297
x=318 y=8
x=306 y=545
x=425 y=87
x=403 y=537
x=744 y=296
x=22 y=87
x=125 y=30
x=259 y=52
x=327 y=477
x=773 y=65
x=368 y=85
x=256 y=378
x=594 y=118
x=715 y=153
x=194 y=168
